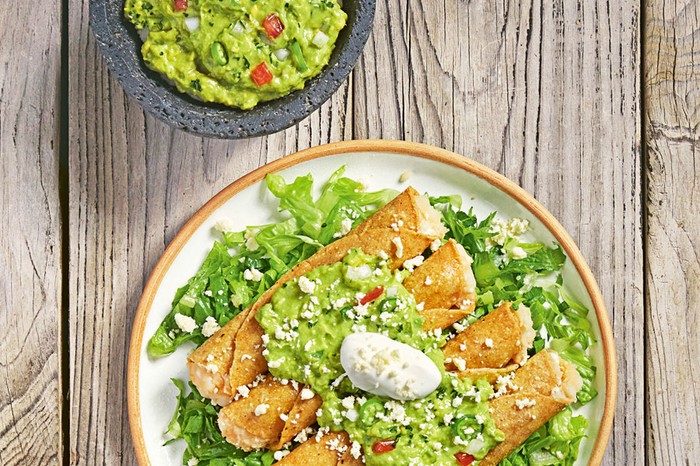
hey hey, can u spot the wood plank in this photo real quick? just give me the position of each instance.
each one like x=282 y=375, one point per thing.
x=133 y=183
x=672 y=97
x=30 y=235
x=548 y=94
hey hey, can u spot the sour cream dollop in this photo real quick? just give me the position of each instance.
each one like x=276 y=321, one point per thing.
x=385 y=367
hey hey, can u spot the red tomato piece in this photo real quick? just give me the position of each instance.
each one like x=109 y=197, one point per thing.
x=383 y=446
x=261 y=74
x=372 y=295
x=464 y=459
x=181 y=5
x=273 y=25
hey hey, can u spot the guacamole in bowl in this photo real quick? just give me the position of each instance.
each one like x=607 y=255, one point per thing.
x=237 y=52
x=121 y=44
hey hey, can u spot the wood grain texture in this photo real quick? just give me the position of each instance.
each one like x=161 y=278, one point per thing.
x=548 y=94
x=672 y=95
x=545 y=92
x=133 y=183
x=30 y=235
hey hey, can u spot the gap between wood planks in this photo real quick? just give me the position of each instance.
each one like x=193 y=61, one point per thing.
x=64 y=201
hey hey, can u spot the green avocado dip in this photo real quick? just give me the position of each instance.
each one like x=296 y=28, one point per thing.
x=305 y=324
x=237 y=52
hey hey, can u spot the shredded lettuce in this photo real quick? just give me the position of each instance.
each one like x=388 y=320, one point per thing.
x=513 y=270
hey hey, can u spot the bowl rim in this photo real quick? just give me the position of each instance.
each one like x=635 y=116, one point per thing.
x=410 y=149
x=205 y=119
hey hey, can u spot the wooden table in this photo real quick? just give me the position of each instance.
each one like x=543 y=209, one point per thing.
x=592 y=106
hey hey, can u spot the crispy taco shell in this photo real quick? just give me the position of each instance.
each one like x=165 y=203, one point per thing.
x=445 y=279
x=541 y=388
x=332 y=449
x=441 y=318
x=209 y=365
x=500 y=338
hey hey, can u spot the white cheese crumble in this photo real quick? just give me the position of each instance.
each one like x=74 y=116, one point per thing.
x=399 y=246
x=192 y=462
x=210 y=327
x=252 y=274
x=460 y=363
x=345 y=226
x=186 y=323
x=261 y=409
x=356 y=450
x=525 y=403
x=348 y=402
x=352 y=415
x=306 y=394
x=275 y=364
x=411 y=264
x=243 y=391
x=405 y=176
x=518 y=253
x=279 y=454
x=488 y=343
x=250 y=242
x=506 y=229
x=358 y=273
x=224 y=224
x=306 y=286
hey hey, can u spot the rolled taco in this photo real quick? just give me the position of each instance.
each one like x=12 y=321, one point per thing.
x=210 y=364
x=445 y=280
x=330 y=449
x=529 y=398
x=268 y=415
x=493 y=345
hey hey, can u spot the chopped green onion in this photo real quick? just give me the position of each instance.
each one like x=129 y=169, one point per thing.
x=299 y=57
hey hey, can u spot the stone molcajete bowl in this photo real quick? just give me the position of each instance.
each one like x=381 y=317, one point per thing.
x=121 y=47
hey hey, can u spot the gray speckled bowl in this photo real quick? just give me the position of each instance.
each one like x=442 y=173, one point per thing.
x=121 y=46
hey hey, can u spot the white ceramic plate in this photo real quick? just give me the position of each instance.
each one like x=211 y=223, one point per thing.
x=379 y=164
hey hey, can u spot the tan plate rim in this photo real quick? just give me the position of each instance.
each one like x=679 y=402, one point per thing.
x=374 y=145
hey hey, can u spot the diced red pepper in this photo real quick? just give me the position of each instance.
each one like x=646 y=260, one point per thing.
x=181 y=5
x=261 y=74
x=372 y=295
x=273 y=25
x=464 y=459
x=383 y=446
